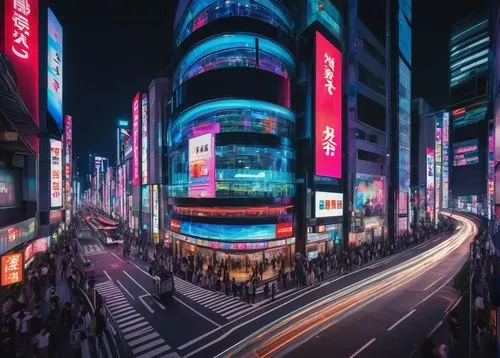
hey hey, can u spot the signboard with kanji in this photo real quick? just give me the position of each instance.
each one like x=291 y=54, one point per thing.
x=12 y=268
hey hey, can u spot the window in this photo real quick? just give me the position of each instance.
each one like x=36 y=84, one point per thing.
x=371 y=112
x=234 y=50
x=8 y=188
x=370 y=156
x=372 y=14
x=370 y=49
x=370 y=80
x=372 y=138
x=201 y=12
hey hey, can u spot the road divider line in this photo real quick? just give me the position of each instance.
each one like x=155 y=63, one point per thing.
x=453 y=304
x=158 y=303
x=363 y=348
x=132 y=297
x=401 y=320
x=115 y=255
x=137 y=283
x=198 y=313
x=141 y=298
x=436 y=327
x=432 y=284
x=147 y=273
x=108 y=276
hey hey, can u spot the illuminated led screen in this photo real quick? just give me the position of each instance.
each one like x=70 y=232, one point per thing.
x=56 y=174
x=135 y=140
x=369 y=194
x=466 y=153
x=226 y=232
x=55 y=68
x=328 y=109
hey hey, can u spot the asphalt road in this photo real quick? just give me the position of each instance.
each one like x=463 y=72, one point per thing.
x=200 y=323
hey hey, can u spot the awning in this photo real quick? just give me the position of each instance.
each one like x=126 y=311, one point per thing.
x=15 y=112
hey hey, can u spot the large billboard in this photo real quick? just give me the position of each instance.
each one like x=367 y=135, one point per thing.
x=144 y=140
x=21 y=48
x=328 y=204
x=466 y=153
x=438 y=163
x=54 y=68
x=369 y=195
x=55 y=173
x=445 y=156
x=68 y=135
x=328 y=109
x=429 y=182
x=155 y=214
x=135 y=140
x=202 y=166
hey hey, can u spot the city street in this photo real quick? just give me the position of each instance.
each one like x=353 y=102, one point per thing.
x=198 y=322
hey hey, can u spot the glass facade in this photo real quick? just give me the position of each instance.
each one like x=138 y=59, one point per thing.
x=234 y=115
x=201 y=12
x=235 y=50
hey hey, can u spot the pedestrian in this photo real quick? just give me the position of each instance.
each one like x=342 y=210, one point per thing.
x=41 y=342
x=273 y=292
x=266 y=290
x=100 y=325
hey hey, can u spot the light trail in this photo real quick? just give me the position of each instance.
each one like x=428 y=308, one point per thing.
x=288 y=332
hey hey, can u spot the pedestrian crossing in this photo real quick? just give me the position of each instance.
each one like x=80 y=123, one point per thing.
x=93 y=249
x=228 y=307
x=142 y=339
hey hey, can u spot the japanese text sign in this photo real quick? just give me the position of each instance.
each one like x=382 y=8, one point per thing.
x=54 y=68
x=55 y=173
x=328 y=109
x=12 y=268
x=135 y=140
x=21 y=48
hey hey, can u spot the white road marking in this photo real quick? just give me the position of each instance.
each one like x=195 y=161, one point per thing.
x=401 y=320
x=433 y=283
x=436 y=327
x=138 y=333
x=112 y=253
x=137 y=283
x=198 y=313
x=141 y=298
x=155 y=352
x=363 y=348
x=143 y=339
x=149 y=345
x=132 y=297
x=108 y=276
x=129 y=329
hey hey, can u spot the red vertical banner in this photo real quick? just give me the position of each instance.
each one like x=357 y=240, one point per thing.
x=328 y=108
x=12 y=269
x=135 y=140
x=21 y=48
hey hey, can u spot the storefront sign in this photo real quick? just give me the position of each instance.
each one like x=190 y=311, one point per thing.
x=56 y=174
x=155 y=215
x=201 y=166
x=135 y=140
x=284 y=230
x=55 y=217
x=12 y=269
x=175 y=225
x=16 y=234
x=328 y=204
x=318 y=237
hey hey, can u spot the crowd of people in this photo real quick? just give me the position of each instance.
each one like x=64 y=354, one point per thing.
x=46 y=318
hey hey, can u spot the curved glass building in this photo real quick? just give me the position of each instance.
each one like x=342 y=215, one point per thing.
x=231 y=149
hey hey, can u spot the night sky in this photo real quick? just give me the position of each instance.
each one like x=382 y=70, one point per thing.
x=114 y=48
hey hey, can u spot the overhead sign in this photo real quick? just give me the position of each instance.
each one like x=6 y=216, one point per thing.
x=21 y=48
x=12 y=269
x=55 y=68
x=328 y=204
x=135 y=140
x=55 y=173
x=328 y=109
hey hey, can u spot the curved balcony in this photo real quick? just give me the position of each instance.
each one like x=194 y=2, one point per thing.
x=199 y=13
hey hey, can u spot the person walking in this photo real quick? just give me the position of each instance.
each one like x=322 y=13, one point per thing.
x=273 y=292
x=41 y=342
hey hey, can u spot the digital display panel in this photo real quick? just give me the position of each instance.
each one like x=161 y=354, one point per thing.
x=228 y=232
x=328 y=204
x=135 y=140
x=155 y=215
x=21 y=48
x=429 y=174
x=445 y=156
x=56 y=174
x=202 y=166
x=438 y=164
x=144 y=140
x=369 y=197
x=68 y=135
x=328 y=109
x=14 y=235
x=55 y=68
x=126 y=143
x=466 y=153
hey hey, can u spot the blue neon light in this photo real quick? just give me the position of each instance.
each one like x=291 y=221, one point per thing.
x=229 y=232
x=222 y=43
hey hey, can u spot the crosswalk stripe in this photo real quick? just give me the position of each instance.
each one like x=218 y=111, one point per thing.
x=122 y=304
x=128 y=329
x=239 y=313
x=117 y=303
x=200 y=296
x=138 y=333
x=220 y=303
x=148 y=345
x=126 y=324
x=125 y=319
x=155 y=352
x=143 y=339
x=233 y=306
x=124 y=311
x=113 y=294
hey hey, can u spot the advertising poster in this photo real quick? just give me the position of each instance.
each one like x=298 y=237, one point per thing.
x=155 y=216
x=284 y=230
x=445 y=159
x=144 y=140
x=438 y=164
x=328 y=109
x=55 y=68
x=21 y=48
x=68 y=135
x=55 y=173
x=429 y=172
x=369 y=197
x=228 y=232
x=12 y=268
x=466 y=153
x=202 y=166
x=328 y=204
x=135 y=140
